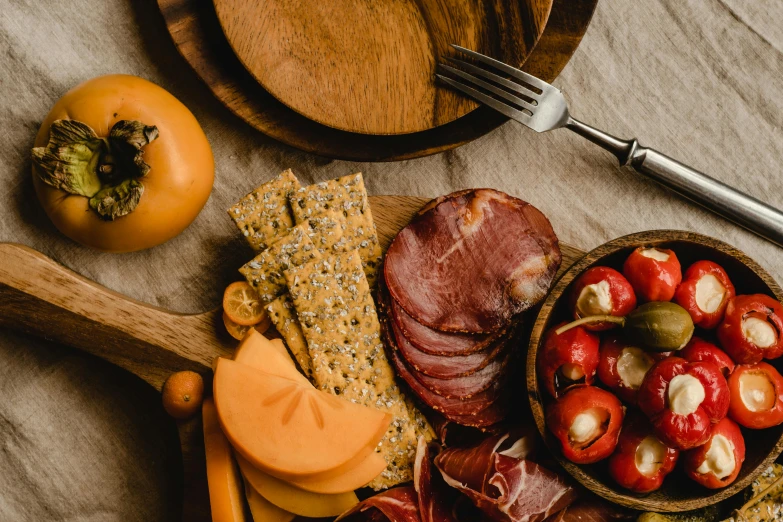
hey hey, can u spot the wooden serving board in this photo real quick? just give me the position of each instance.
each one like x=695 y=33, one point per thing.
x=40 y=297
x=197 y=35
x=368 y=67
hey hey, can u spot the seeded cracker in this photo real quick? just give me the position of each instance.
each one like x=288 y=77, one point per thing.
x=283 y=316
x=339 y=321
x=265 y=271
x=346 y=195
x=263 y=216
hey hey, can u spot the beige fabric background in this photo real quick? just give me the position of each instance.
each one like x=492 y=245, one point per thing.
x=699 y=79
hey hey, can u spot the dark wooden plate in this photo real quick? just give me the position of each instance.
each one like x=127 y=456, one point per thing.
x=197 y=35
x=368 y=67
x=678 y=493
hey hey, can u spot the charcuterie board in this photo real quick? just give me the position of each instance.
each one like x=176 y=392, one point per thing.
x=43 y=298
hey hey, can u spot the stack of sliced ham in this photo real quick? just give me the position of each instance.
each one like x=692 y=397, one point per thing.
x=453 y=281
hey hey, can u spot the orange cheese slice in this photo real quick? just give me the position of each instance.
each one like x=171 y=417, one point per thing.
x=290 y=498
x=268 y=356
x=264 y=511
x=225 y=484
x=288 y=428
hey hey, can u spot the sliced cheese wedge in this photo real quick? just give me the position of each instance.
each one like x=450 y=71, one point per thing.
x=290 y=498
x=264 y=511
x=225 y=484
x=288 y=428
x=258 y=352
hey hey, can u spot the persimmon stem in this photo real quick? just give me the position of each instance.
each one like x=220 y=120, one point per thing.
x=590 y=319
x=739 y=514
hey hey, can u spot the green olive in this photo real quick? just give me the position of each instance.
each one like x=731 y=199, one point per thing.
x=659 y=326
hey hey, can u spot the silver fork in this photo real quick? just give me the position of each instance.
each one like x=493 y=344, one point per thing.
x=542 y=107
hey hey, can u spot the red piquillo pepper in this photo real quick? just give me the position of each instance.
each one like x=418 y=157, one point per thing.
x=654 y=273
x=601 y=291
x=567 y=359
x=751 y=329
x=622 y=366
x=705 y=291
x=586 y=421
x=682 y=399
x=756 y=396
x=700 y=350
x=641 y=460
x=717 y=463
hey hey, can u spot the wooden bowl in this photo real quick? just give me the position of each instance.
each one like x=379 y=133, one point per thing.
x=678 y=492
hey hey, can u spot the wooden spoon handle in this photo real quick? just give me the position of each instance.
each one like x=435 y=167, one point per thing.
x=41 y=297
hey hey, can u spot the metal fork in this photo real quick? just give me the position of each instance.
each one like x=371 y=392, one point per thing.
x=542 y=107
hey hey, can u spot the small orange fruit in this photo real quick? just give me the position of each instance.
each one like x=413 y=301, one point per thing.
x=237 y=331
x=242 y=305
x=183 y=393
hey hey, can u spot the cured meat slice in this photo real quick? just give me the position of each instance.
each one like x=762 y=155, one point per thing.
x=472 y=262
x=436 y=498
x=503 y=484
x=392 y=505
x=469 y=385
x=436 y=342
x=441 y=367
x=592 y=508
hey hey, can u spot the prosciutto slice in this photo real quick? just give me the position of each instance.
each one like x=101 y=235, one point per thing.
x=441 y=367
x=436 y=498
x=393 y=505
x=472 y=262
x=436 y=342
x=504 y=485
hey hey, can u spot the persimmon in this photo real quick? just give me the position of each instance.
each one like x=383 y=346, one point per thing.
x=242 y=305
x=183 y=393
x=120 y=164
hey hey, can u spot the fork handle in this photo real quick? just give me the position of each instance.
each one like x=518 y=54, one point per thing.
x=736 y=206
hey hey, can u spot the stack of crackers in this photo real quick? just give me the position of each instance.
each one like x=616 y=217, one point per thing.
x=318 y=258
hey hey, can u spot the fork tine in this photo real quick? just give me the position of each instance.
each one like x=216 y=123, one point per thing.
x=514 y=86
x=498 y=105
x=525 y=77
x=491 y=88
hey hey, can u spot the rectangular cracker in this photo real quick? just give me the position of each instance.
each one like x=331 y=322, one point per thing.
x=283 y=316
x=340 y=324
x=348 y=196
x=263 y=216
x=265 y=271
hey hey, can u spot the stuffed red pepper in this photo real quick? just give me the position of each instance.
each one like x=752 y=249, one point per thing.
x=717 y=463
x=751 y=329
x=601 y=291
x=683 y=399
x=654 y=273
x=705 y=292
x=586 y=420
x=641 y=461
x=700 y=350
x=567 y=359
x=622 y=366
x=756 y=396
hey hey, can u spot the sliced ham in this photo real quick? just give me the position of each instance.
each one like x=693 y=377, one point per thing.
x=472 y=262
x=436 y=342
x=501 y=483
x=394 y=505
x=436 y=499
x=441 y=367
x=469 y=385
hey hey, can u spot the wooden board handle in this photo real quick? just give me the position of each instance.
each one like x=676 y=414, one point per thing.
x=41 y=297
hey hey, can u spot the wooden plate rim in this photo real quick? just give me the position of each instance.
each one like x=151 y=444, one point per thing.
x=650 y=237
x=196 y=34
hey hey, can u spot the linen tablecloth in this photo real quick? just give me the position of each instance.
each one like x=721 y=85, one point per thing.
x=701 y=80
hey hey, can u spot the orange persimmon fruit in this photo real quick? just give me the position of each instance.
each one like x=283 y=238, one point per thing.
x=183 y=393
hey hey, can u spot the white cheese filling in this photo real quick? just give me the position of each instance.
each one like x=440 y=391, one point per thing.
x=573 y=372
x=595 y=299
x=720 y=458
x=650 y=454
x=756 y=391
x=759 y=332
x=632 y=366
x=587 y=426
x=654 y=253
x=686 y=393
x=709 y=293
